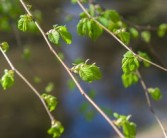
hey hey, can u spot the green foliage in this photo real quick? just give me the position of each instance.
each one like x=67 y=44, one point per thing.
x=162 y=29
x=134 y=33
x=7 y=80
x=123 y=35
x=129 y=78
x=89 y=27
x=57 y=31
x=24 y=22
x=130 y=64
x=50 y=100
x=4 y=46
x=56 y=129
x=9 y=13
x=146 y=36
x=129 y=128
x=87 y=72
x=26 y=55
x=75 y=1
x=49 y=88
x=145 y=56
x=155 y=93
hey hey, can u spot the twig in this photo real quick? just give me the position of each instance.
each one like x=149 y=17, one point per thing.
x=150 y=105
x=29 y=84
x=115 y=37
x=73 y=78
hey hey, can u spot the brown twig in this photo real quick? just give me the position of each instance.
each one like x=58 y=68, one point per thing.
x=150 y=105
x=29 y=84
x=73 y=78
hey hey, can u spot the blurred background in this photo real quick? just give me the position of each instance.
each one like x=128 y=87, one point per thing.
x=22 y=114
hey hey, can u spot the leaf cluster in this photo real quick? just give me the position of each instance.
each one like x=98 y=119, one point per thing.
x=57 y=32
x=130 y=64
x=87 y=72
x=50 y=100
x=129 y=128
x=56 y=129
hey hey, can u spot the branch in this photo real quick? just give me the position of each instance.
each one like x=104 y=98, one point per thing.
x=150 y=105
x=115 y=37
x=83 y=93
x=29 y=84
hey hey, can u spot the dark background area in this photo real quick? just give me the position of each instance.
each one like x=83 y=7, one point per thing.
x=22 y=114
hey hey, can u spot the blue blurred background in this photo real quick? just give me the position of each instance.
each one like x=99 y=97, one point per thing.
x=21 y=113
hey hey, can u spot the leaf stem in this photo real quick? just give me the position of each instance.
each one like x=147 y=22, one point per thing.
x=115 y=37
x=29 y=84
x=83 y=93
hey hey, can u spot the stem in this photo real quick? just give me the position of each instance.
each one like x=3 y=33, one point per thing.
x=83 y=93
x=115 y=37
x=150 y=105
x=29 y=84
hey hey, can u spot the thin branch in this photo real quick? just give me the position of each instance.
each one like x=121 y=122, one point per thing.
x=150 y=105
x=115 y=37
x=83 y=93
x=29 y=84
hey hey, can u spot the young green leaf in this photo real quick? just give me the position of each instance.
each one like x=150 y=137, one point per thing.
x=124 y=36
x=87 y=72
x=66 y=36
x=53 y=36
x=162 y=29
x=89 y=27
x=4 y=46
x=56 y=129
x=57 y=31
x=134 y=32
x=129 y=62
x=144 y=55
x=146 y=35
x=50 y=100
x=49 y=88
x=155 y=93
x=7 y=79
x=129 y=128
x=129 y=78
x=24 y=21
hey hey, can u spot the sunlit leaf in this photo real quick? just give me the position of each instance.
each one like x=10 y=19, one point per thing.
x=162 y=29
x=7 y=79
x=56 y=129
x=4 y=46
x=144 y=55
x=155 y=93
x=146 y=35
x=50 y=100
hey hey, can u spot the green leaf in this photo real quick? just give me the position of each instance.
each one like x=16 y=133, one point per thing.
x=24 y=21
x=129 y=62
x=87 y=72
x=111 y=15
x=124 y=36
x=66 y=36
x=7 y=79
x=129 y=78
x=134 y=32
x=162 y=29
x=56 y=129
x=129 y=128
x=53 y=36
x=49 y=88
x=155 y=93
x=146 y=35
x=26 y=54
x=50 y=100
x=4 y=46
x=144 y=55
x=89 y=28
